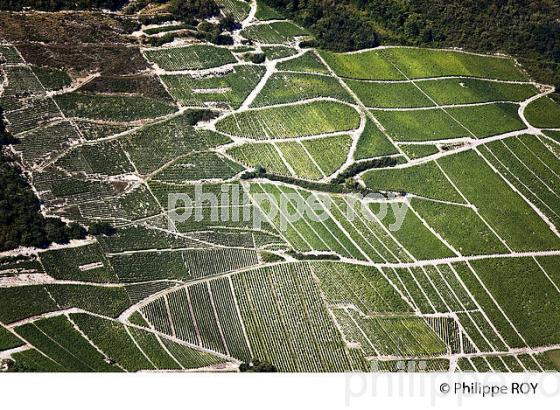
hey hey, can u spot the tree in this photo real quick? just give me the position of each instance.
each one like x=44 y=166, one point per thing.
x=5 y=137
x=55 y=230
x=258 y=58
x=101 y=228
x=194 y=9
x=76 y=231
x=228 y=23
x=257 y=366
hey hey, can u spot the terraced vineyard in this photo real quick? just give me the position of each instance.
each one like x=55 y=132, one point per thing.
x=454 y=263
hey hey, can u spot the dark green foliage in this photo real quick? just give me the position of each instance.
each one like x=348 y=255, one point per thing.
x=101 y=228
x=304 y=257
x=153 y=18
x=198 y=9
x=195 y=116
x=221 y=40
x=359 y=167
x=337 y=25
x=256 y=366
x=55 y=231
x=159 y=41
x=335 y=187
x=57 y=5
x=228 y=23
x=21 y=222
x=76 y=231
x=258 y=58
x=528 y=29
x=5 y=137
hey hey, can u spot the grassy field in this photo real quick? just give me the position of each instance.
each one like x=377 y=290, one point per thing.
x=199 y=166
x=237 y=8
x=277 y=52
x=373 y=143
x=419 y=151
x=170 y=139
x=461 y=227
x=487 y=120
x=309 y=159
x=513 y=280
x=529 y=171
x=283 y=304
x=265 y=155
x=360 y=286
x=86 y=263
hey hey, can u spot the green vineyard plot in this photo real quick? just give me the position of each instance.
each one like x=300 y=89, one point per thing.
x=284 y=88
x=313 y=118
x=422 y=63
x=389 y=95
x=230 y=88
x=112 y=108
x=274 y=33
x=308 y=62
x=471 y=91
x=544 y=113
x=374 y=210
x=195 y=57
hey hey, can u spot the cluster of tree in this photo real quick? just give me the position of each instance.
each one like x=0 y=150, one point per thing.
x=526 y=29
x=5 y=137
x=57 y=5
x=359 y=167
x=194 y=15
x=258 y=58
x=193 y=117
x=257 y=366
x=101 y=228
x=308 y=257
x=343 y=185
x=213 y=33
x=21 y=221
x=190 y=10
x=337 y=25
